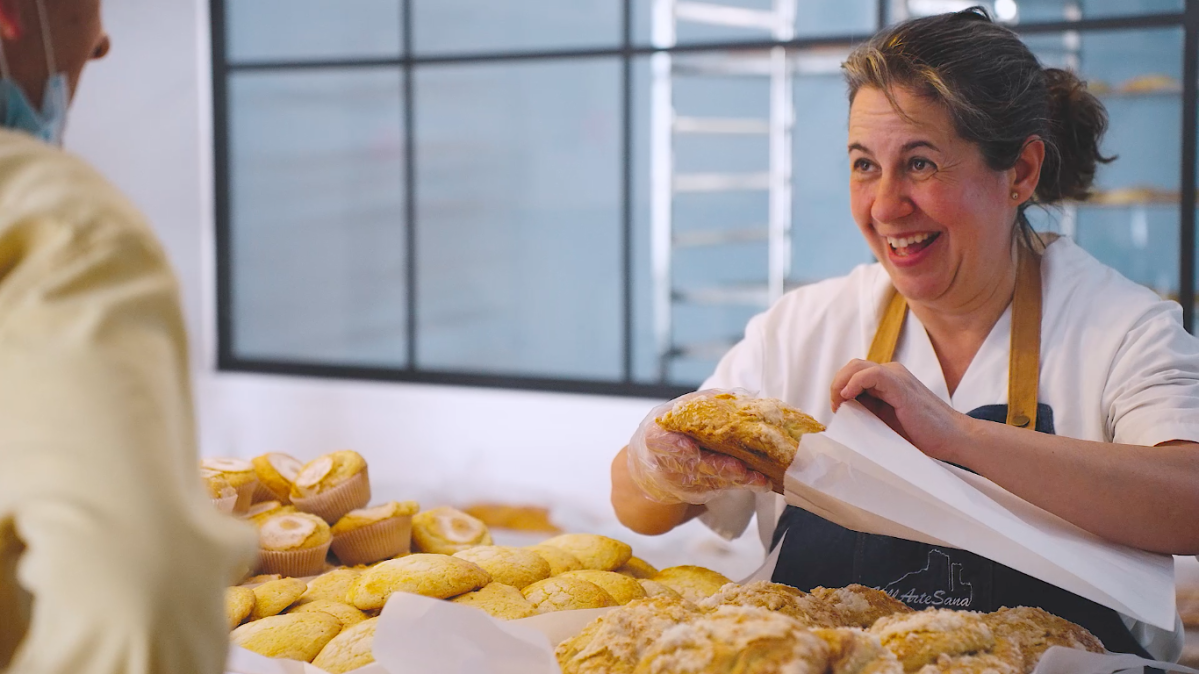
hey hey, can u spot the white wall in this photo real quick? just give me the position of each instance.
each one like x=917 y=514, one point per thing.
x=143 y=117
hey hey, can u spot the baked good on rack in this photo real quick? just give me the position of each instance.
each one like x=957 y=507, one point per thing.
x=499 y=601
x=294 y=636
x=368 y=535
x=637 y=568
x=858 y=605
x=594 y=551
x=622 y=588
x=853 y=651
x=437 y=576
x=276 y=473
x=331 y=586
x=614 y=642
x=238 y=473
x=293 y=544
x=1023 y=634
x=919 y=638
x=695 y=583
x=560 y=561
x=332 y=485
x=350 y=649
x=762 y=432
x=515 y=517
x=447 y=530
x=511 y=566
x=562 y=593
x=346 y=615
x=655 y=589
x=272 y=597
x=741 y=639
x=239 y=602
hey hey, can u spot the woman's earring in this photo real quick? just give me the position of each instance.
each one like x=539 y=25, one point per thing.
x=1015 y=195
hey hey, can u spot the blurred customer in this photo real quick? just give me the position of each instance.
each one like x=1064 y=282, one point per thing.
x=111 y=560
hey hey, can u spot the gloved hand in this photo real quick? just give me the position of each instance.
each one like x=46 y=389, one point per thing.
x=671 y=468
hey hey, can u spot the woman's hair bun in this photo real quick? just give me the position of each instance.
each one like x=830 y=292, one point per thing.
x=1077 y=124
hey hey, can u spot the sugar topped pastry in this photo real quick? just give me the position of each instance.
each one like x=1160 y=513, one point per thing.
x=858 y=605
x=508 y=565
x=331 y=586
x=349 y=650
x=347 y=615
x=499 y=601
x=293 y=544
x=693 y=582
x=854 y=651
x=637 y=568
x=1023 y=634
x=447 y=530
x=239 y=602
x=437 y=576
x=622 y=588
x=276 y=473
x=560 y=561
x=562 y=593
x=273 y=596
x=655 y=589
x=614 y=642
x=264 y=510
x=920 y=638
x=594 y=551
x=293 y=636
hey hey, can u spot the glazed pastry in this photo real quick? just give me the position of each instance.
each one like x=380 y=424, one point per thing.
x=615 y=642
x=622 y=588
x=294 y=636
x=655 y=589
x=595 y=552
x=858 y=605
x=1023 y=634
x=349 y=650
x=499 y=601
x=511 y=566
x=695 y=583
x=276 y=473
x=562 y=593
x=368 y=535
x=293 y=544
x=331 y=586
x=737 y=639
x=637 y=568
x=560 y=561
x=238 y=473
x=762 y=432
x=272 y=597
x=446 y=530
x=346 y=615
x=438 y=576
x=920 y=638
x=852 y=651
x=332 y=485
x=239 y=602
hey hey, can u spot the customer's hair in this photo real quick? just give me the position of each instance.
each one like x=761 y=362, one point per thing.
x=996 y=92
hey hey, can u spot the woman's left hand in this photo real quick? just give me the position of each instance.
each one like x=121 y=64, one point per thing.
x=906 y=405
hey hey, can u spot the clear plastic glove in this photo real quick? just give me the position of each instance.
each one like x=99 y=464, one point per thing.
x=671 y=468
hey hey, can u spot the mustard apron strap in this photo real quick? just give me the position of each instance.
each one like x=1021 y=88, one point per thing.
x=882 y=349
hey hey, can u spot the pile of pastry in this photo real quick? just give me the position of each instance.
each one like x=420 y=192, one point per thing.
x=766 y=628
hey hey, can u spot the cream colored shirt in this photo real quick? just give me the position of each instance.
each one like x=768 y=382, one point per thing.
x=112 y=558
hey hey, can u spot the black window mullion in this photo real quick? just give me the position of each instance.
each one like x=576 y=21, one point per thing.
x=1190 y=121
x=409 y=134
x=626 y=191
x=226 y=358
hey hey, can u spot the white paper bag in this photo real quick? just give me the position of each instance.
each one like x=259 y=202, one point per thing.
x=864 y=476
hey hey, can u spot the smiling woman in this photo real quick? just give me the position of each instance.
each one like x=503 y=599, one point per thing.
x=968 y=318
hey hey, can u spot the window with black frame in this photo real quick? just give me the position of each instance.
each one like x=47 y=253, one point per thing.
x=596 y=196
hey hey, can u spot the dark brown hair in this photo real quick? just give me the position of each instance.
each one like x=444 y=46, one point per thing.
x=996 y=92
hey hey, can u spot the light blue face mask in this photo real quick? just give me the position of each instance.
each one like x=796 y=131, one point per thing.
x=16 y=111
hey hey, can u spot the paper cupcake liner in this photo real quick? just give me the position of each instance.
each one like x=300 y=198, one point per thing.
x=264 y=493
x=225 y=504
x=293 y=563
x=374 y=542
x=245 y=496
x=350 y=495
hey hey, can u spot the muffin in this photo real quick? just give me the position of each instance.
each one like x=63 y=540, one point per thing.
x=276 y=473
x=695 y=583
x=499 y=601
x=595 y=552
x=562 y=593
x=332 y=586
x=622 y=588
x=332 y=485
x=446 y=530
x=293 y=544
x=264 y=510
x=239 y=602
x=272 y=597
x=560 y=561
x=239 y=474
x=349 y=650
x=372 y=534
x=223 y=495
x=511 y=566
x=346 y=615
x=437 y=576
x=294 y=636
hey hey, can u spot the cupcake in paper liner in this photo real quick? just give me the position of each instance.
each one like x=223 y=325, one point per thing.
x=372 y=534
x=276 y=473
x=240 y=475
x=293 y=544
x=332 y=485
x=261 y=512
x=223 y=495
